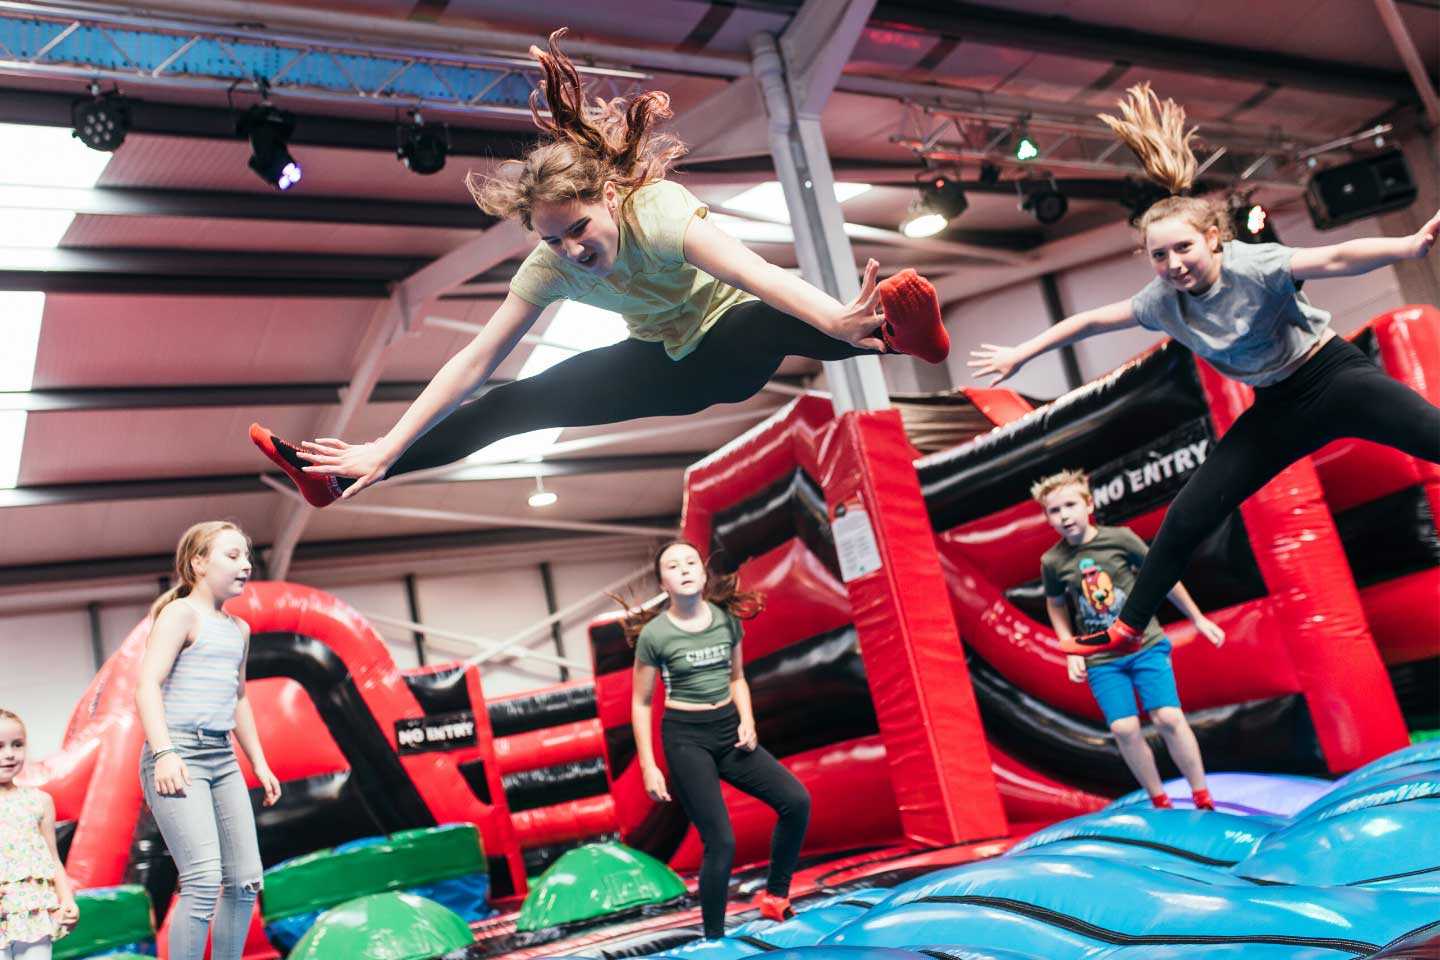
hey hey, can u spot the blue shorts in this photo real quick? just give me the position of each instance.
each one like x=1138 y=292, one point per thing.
x=1147 y=673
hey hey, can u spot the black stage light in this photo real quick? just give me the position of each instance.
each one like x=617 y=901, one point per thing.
x=268 y=129
x=1048 y=204
x=421 y=146
x=101 y=122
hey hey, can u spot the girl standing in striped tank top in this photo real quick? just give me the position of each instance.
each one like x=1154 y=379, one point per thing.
x=191 y=697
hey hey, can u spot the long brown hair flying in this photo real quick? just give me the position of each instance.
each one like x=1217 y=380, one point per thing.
x=584 y=145
x=721 y=589
x=1155 y=131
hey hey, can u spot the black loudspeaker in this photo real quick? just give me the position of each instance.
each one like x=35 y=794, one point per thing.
x=1360 y=189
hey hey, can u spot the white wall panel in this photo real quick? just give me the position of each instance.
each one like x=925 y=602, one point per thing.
x=47 y=663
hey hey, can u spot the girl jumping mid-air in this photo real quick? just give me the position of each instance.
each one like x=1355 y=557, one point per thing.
x=710 y=321
x=708 y=730
x=1238 y=306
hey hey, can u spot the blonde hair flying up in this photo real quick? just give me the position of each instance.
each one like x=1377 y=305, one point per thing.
x=583 y=145
x=1155 y=130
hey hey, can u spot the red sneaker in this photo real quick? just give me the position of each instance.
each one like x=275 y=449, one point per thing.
x=1203 y=800
x=318 y=490
x=1120 y=637
x=1161 y=801
x=772 y=907
x=912 y=317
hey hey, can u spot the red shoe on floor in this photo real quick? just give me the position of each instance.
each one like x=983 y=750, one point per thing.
x=772 y=907
x=1161 y=801
x=318 y=490
x=1203 y=800
x=912 y=317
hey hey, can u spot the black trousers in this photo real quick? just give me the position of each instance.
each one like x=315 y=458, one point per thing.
x=629 y=380
x=1337 y=393
x=700 y=751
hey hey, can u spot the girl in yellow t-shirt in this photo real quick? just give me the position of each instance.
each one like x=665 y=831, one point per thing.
x=710 y=320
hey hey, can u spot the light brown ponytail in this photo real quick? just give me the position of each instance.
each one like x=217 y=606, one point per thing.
x=1155 y=130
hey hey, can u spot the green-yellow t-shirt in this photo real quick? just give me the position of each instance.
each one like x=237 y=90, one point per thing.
x=661 y=296
x=695 y=666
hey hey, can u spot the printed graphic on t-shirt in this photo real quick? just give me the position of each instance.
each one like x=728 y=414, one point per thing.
x=708 y=656
x=1099 y=599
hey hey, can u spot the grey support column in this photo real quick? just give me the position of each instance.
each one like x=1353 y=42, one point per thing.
x=795 y=76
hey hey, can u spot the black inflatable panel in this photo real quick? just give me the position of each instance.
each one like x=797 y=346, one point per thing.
x=1131 y=409
x=548 y=708
x=1390 y=537
x=1273 y=735
x=384 y=791
x=528 y=789
x=793 y=506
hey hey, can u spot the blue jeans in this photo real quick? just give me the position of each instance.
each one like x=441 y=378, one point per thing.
x=210 y=832
x=1147 y=673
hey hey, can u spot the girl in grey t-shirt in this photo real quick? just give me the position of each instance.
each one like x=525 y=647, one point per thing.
x=1238 y=306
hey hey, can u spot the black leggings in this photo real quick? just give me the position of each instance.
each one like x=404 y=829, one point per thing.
x=629 y=380
x=700 y=751
x=1337 y=393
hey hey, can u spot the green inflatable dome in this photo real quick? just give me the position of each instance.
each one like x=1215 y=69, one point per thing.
x=596 y=880
x=384 y=926
x=110 y=917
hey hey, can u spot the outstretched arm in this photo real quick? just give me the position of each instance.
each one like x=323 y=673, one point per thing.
x=730 y=261
x=1354 y=257
x=1000 y=363
x=461 y=376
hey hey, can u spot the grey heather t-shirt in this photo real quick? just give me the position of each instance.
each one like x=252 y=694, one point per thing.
x=1252 y=325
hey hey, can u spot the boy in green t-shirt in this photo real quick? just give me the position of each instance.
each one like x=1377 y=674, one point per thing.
x=1089 y=573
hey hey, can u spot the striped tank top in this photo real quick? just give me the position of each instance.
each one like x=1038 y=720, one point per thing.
x=202 y=686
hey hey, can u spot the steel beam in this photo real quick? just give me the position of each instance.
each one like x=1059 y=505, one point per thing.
x=166 y=488
x=318 y=551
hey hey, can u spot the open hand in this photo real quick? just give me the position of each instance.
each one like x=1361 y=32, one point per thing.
x=363 y=462
x=1424 y=238
x=862 y=316
x=995 y=361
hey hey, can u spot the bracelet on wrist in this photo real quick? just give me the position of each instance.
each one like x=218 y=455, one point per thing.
x=160 y=753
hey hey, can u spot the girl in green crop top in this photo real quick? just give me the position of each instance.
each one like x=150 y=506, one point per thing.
x=708 y=731
x=710 y=320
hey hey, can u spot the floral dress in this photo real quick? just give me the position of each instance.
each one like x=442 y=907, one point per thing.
x=27 y=871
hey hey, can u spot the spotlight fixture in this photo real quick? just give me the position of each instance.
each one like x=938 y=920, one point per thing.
x=1250 y=221
x=939 y=201
x=1047 y=204
x=1025 y=147
x=100 y=122
x=542 y=497
x=422 y=146
x=269 y=128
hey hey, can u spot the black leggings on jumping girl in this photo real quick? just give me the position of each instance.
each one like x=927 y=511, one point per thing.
x=1337 y=393
x=629 y=380
x=700 y=752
